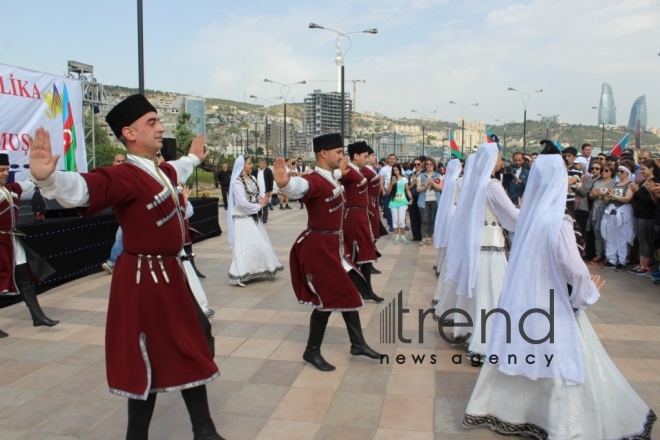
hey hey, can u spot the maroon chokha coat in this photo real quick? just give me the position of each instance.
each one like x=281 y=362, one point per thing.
x=358 y=239
x=8 y=222
x=373 y=192
x=317 y=273
x=154 y=340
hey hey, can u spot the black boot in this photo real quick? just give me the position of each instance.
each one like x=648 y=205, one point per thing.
x=317 y=323
x=3 y=334
x=363 y=283
x=189 y=251
x=358 y=346
x=197 y=403
x=29 y=296
x=139 y=417
x=375 y=271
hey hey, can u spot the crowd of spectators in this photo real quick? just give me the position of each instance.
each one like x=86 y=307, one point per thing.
x=614 y=201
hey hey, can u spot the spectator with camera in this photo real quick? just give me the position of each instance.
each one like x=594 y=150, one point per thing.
x=574 y=176
x=414 y=211
x=429 y=187
x=518 y=178
x=597 y=195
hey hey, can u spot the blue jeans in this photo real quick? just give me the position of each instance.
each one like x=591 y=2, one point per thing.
x=117 y=248
x=386 y=210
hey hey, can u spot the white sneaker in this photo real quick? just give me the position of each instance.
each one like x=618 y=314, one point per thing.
x=108 y=267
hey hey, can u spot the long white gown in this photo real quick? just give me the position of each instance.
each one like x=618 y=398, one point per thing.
x=441 y=257
x=499 y=213
x=252 y=255
x=604 y=406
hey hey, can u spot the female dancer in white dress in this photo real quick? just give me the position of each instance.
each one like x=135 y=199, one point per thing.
x=476 y=260
x=441 y=230
x=252 y=252
x=572 y=390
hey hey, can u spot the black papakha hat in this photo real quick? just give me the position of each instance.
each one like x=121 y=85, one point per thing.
x=328 y=141
x=4 y=159
x=549 y=147
x=358 y=148
x=128 y=111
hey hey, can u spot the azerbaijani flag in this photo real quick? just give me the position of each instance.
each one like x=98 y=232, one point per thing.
x=558 y=144
x=491 y=139
x=69 y=134
x=454 y=146
x=618 y=148
x=489 y=136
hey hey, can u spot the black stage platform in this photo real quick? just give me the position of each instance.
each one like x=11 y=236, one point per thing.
x=77 y=246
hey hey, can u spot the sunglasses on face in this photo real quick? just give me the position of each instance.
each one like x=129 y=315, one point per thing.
x=621 y=171
x=417 y=164
x=608 y=170
x=595 y=169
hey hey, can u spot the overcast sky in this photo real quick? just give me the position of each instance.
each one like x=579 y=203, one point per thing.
x=426 y=52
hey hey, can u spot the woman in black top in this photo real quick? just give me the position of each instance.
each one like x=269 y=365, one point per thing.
x=644 y=206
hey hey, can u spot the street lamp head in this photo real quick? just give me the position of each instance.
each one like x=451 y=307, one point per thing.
x=512 y=89
x=538 y=91
x=252 y=96
x=266 y=80
x=595 y=108
x=476 y=104
x=413 y=111
x=452 y=102
x=315 y=26
x=370 y=31
x=302 y=82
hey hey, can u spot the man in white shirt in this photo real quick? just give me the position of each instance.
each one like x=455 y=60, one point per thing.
x=264 y=177
x=301 y=170
x=386 y=173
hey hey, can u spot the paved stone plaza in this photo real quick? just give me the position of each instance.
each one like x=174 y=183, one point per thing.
x=52 y=380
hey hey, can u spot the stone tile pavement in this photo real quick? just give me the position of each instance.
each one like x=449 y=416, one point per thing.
x=52 y=380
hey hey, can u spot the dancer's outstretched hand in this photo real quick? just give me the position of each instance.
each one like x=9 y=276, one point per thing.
x=42 y=161
x=197 y=148
x=279 y=172
x=597 y=281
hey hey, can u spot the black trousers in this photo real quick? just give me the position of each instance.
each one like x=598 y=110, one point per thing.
x=225 y=195
x=415 y=220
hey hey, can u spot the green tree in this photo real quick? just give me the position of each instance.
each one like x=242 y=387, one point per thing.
x=100 y=136
x=106 y=153
x=104 y=149
x=183 y=134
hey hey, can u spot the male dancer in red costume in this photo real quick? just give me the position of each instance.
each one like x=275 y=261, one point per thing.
x=17 y=260
x=358 y=237
x=157 y=338
x=375 y=188
x=321 y=274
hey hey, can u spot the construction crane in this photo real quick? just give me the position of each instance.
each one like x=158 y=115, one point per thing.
x=354 y=81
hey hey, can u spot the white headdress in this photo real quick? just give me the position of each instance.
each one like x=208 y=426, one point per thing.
x=468 y=221
x=446 y=204
x=235 y=174
x=533 y=270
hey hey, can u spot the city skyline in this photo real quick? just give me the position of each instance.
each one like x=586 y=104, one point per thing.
x=425 y=54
